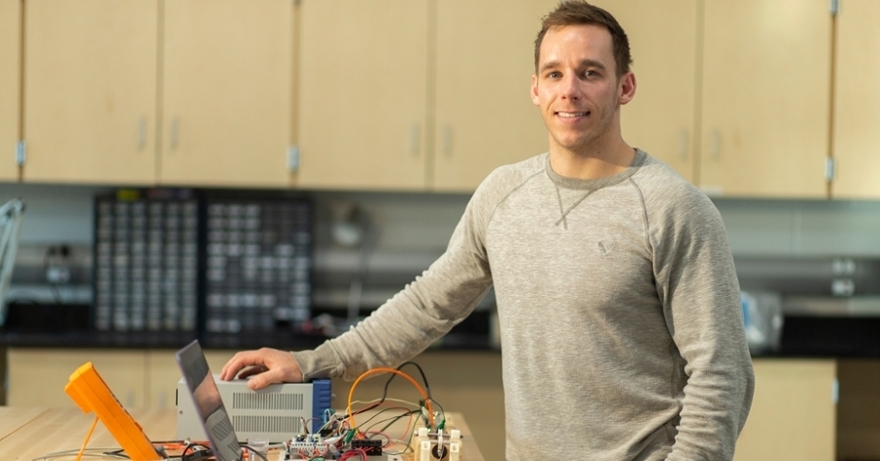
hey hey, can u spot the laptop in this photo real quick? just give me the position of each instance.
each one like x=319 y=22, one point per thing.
x=209 y=406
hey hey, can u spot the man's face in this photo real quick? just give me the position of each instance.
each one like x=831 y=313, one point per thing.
x=577 y=88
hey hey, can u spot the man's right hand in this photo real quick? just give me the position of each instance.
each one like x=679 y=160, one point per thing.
x=264 y=366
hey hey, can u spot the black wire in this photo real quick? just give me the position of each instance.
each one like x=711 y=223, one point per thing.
x=407 y=412
x=116 y=453
x=421 y=372
x=396 y=418
x=388 y=383
x=377 y=403
x=385 y=392
x=192 y=445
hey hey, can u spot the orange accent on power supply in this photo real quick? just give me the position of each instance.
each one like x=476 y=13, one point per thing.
x=91 y=394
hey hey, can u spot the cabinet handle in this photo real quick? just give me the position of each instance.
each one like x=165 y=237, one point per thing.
x=415 y=139
x=446 y=145
x=715 y=146
x=142 y=133
x=683 y=144
x=174 y=133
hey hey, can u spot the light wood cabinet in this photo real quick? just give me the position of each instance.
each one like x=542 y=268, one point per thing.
x=398 y=95
x=765 y=107
x=90 y=91
x=813 y=410
x=163 y=375
x=793 y=416
x=139 y=378
x=10 y=76
x=37 y=376
x=478 y=114
x=190 y=93
x=362 y=94
x=484 y=116
x=856 y=135
x=661 y=119
x=858 y=421
x=226 y=92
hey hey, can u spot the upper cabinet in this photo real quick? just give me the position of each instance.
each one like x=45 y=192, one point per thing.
x=226 y=92
x=661 y=119
x=484 y=117
x=856 y=141
x=744 y=98
x=186 y=92
x=765 y=108
x=90 y=91
x=10 y=73
x=363 y=115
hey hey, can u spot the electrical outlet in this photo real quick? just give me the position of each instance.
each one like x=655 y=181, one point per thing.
x=58 y=261
x=58 y=274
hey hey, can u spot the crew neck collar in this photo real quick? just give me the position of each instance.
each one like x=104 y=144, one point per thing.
x=598 y=183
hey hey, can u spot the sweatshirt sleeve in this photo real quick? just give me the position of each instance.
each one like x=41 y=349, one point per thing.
x=426 y=309
x=699 y=291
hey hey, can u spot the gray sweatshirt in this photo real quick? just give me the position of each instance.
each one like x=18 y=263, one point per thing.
x=620 y=316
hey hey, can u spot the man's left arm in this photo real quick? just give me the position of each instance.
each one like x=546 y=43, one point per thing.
x=700 y=293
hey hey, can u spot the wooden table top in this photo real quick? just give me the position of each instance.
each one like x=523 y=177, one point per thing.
x=29 y=433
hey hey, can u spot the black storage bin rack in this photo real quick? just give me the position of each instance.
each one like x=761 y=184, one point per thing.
x=146 y=256
x=214 y=265
x=258 y=269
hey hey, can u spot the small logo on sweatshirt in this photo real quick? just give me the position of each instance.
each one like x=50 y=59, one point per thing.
x=606 y=247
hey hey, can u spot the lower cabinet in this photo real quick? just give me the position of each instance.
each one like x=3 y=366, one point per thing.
x=813 y=410
x=793 y=413
x=139 y=378
x=164 y=374
x=858 y=411
x=37 y=376
x=804 y=409
x=466 y=382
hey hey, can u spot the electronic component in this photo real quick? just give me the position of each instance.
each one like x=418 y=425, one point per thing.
x=437 y=446
x=342 y=438
x=91 y=394
x=371 y=447
x=311 y=446
x=275 y=413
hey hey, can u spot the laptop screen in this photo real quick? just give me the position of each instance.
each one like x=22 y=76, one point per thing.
x=207 y=401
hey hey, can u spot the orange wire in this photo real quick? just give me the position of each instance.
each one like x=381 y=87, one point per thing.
x=397 y=372
x=86 y=441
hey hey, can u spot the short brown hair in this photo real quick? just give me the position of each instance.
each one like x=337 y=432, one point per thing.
x=579 y=12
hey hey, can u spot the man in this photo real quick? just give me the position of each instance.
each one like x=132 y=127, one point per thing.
x=619 y=309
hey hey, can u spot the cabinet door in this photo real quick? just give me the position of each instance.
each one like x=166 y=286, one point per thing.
x=362 y=94
x=858 y=412
x=663 y=42
x=857 y=101
x=90 y=91
x=10 y=76
x=226 y=92
x=793 y=416
x=163 y=375
x=765 y=98
x=485 y=118
x=37 y=376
